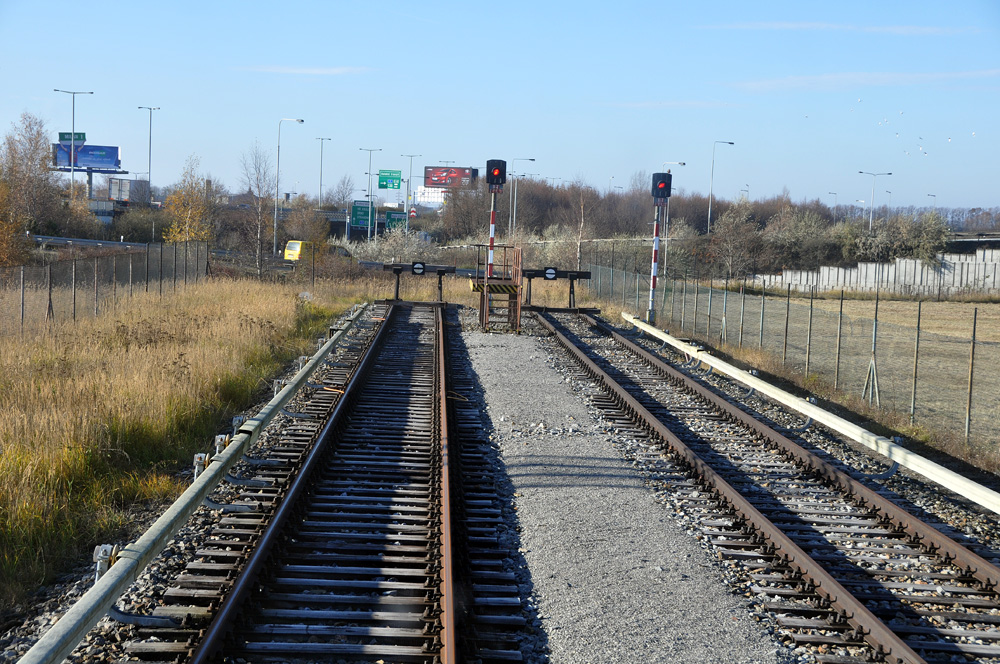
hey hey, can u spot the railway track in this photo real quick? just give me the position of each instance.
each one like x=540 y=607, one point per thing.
x=353 y=539
x=842 y=569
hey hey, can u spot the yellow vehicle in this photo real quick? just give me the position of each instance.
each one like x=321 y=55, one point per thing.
x=296 y=249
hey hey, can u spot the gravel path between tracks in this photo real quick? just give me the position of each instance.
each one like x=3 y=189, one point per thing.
x=616 y=578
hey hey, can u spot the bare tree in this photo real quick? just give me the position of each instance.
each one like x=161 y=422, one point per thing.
x=258 y=179
x=343 y=192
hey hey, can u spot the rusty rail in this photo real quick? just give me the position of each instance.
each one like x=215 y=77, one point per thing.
x=213 y=641
x=868 y=626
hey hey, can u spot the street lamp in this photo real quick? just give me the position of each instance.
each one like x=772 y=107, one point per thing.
x=320 y=199
x=409 y=203
x=149 y=154
x=666 y=221
x=889 y=204
x=277 y=173
x=711 y=183
x=72 y=142
x=371 y=201
x=862 y=205
x=934 y=196
x=834 y=194
x=512 y=207
x=871 y=214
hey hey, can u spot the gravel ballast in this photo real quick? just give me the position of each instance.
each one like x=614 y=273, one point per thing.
x=615 y=577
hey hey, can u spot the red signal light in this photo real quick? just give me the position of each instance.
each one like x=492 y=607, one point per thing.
x=661 y=185
x=496 y=171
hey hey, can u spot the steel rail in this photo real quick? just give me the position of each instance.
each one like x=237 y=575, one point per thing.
x=59 y=641
x=936 y=473
x=868 y=626
x=214 y=639
x=919 y=532
x=449 y=633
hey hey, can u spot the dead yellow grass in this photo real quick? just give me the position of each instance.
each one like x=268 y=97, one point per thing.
x=95 y=416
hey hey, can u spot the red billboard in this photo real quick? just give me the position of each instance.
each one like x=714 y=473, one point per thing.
x=448 y=177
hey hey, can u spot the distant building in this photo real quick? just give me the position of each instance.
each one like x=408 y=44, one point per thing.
x=430 y=195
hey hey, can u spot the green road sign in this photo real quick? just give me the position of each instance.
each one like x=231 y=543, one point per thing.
x=389 y=179
x=78 y=137
x=359 y=214
x=395 y=220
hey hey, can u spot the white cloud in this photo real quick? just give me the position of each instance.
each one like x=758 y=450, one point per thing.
x=307 y=71
x=851 y=80
x=670 y=104
x=904 y=30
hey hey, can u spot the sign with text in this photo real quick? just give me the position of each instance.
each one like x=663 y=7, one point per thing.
x=395 y=220
x=389 y=179
x=359 y=214
x=87 y=156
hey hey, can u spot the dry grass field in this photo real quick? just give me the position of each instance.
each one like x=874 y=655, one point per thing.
x=97 y=417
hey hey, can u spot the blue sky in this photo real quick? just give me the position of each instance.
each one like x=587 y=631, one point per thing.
x=810 y=93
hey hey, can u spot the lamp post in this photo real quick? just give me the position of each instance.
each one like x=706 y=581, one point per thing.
x=889 y=204
x=711 y=183
x=934 y=196
x=320 y=199
x=277 y=173
x=871 y=214
x=149 y=155
x=666 y=220
x=371 y=200
x=409 y=203
x=834 y=194
x=512 y=207
x=72 y=142
x=862 y=205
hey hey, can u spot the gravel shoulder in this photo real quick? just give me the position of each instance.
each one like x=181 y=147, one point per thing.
x=616 y=578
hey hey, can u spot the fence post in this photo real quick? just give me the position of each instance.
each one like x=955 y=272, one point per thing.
x=73 y=279
x=760 y=331
x=22 y=300
x=840 y=327
x=972 y=366
x=788 y=306
x=130 y=274
x=49 y=314
x=114 y=280
x=611 y=278
x=725 y=302
x=146 y=277
x=174 y=270
x=743 y=307
x=916 y=355
x=684 y=301
x=809 y=329
x=694 y=318
x=96 y=266
x=708 y=320
x=871 y=380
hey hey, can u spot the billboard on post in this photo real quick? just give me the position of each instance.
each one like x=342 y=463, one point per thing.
x=448 y=177
x=87 y=156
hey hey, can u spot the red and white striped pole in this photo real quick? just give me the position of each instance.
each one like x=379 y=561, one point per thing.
x=651 y=311
x=493 y=232
x=661 y=199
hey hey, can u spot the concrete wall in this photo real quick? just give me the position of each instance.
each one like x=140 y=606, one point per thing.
x=956 y=274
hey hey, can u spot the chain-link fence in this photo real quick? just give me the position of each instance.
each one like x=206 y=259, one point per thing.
x=33 y=297
x=949 y=382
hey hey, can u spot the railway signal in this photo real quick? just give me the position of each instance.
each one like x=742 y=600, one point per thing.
x=661 y=185
x=661 y=198
x=496 y=173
